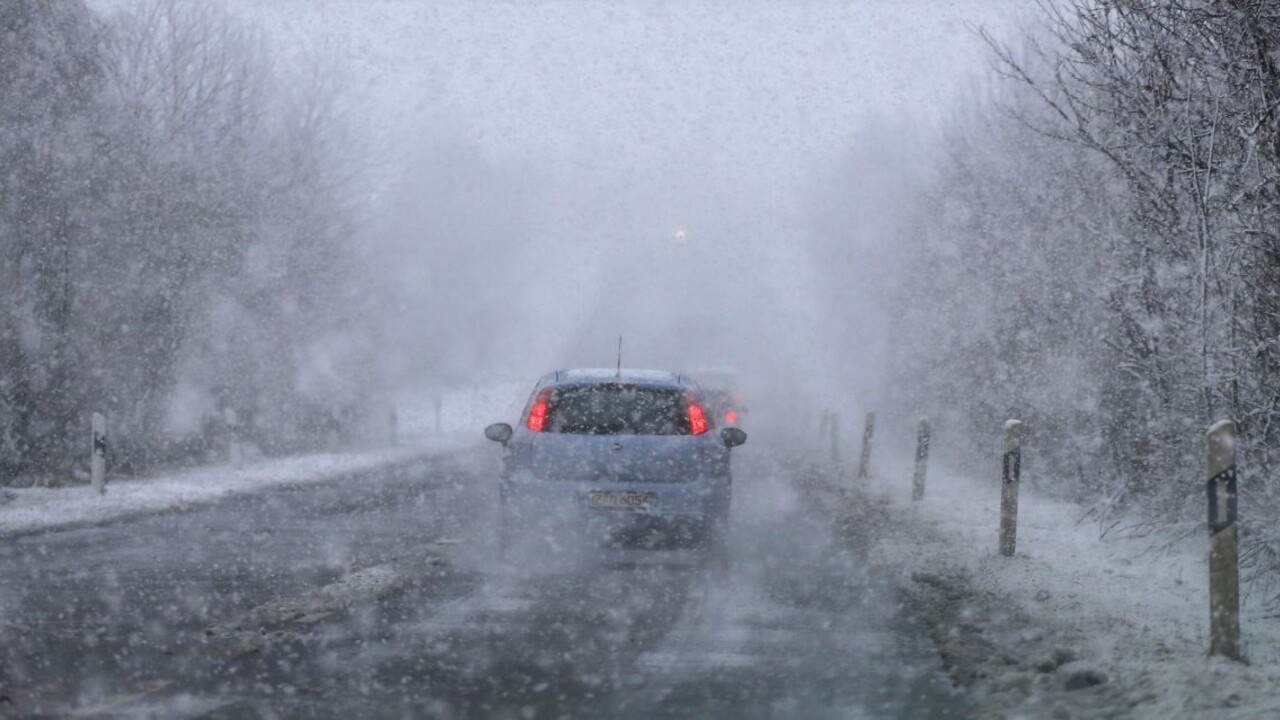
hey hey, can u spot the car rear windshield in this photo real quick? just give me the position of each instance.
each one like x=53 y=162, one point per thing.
x=617 y=409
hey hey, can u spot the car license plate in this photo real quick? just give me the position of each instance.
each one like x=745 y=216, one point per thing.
x=628 y=500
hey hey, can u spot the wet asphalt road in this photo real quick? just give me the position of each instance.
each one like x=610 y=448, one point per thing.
x=383 y=596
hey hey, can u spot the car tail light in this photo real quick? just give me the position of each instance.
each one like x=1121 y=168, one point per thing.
x=538 y=413
x=697 y=419
x=731 y=417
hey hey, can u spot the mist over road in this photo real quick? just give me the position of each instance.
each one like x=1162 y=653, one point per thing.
x=383 y=595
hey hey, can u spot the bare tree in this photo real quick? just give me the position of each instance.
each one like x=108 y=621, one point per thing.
x=176 y=226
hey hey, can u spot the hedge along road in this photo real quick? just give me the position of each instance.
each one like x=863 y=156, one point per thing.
x=382 y=594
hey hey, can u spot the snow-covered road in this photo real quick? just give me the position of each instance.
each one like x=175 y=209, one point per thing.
x=381 y=595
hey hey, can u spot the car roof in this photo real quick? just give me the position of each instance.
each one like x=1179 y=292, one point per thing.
x=591 y=376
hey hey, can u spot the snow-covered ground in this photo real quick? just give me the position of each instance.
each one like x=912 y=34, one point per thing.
x=1075 y=624
x=31 y=510
x=428 y=423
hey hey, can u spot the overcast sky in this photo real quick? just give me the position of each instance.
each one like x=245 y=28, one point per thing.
x=691 y=87
x=623 y=123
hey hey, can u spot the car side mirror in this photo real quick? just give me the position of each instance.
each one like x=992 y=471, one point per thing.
x=499 y=432
x=733 y=437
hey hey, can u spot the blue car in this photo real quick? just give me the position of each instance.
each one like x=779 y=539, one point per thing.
x=630 y=454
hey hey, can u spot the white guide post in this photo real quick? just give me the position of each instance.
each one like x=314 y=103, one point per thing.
x=1224 y=562
x=233 y=436
x=922 y=459
x=835 y=441
x=824 y=426
x=864 y=461
x=1009 y=476
x=98 y=458
x=393 y=424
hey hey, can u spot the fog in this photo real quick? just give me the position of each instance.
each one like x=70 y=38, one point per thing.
x=710 y=181
x=298 y=255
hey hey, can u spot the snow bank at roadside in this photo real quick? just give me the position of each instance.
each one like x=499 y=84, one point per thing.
x=1073 y=625
x=34 y=510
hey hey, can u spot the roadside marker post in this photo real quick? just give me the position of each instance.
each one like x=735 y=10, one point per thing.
x=864 y=461
x=835 y=441
x=233 y=436
x=922 y=459
x=98 y=456
x=393 y=422
x=824 y=426
x=1224 y=567
x=1012 y=469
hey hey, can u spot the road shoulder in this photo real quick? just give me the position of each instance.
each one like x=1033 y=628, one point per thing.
x=1072 y=626
x=31 y=511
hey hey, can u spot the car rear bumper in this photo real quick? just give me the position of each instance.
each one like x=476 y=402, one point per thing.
x=616 y=503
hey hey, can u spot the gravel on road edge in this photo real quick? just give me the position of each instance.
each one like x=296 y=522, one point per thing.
x=1014 y=664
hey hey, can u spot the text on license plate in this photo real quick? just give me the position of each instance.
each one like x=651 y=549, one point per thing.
x=628 y=500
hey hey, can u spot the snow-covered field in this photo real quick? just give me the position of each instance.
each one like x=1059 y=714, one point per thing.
x=1075 y=624
x=31 y=510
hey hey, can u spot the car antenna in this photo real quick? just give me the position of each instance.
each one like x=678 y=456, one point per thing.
x=619 y=356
